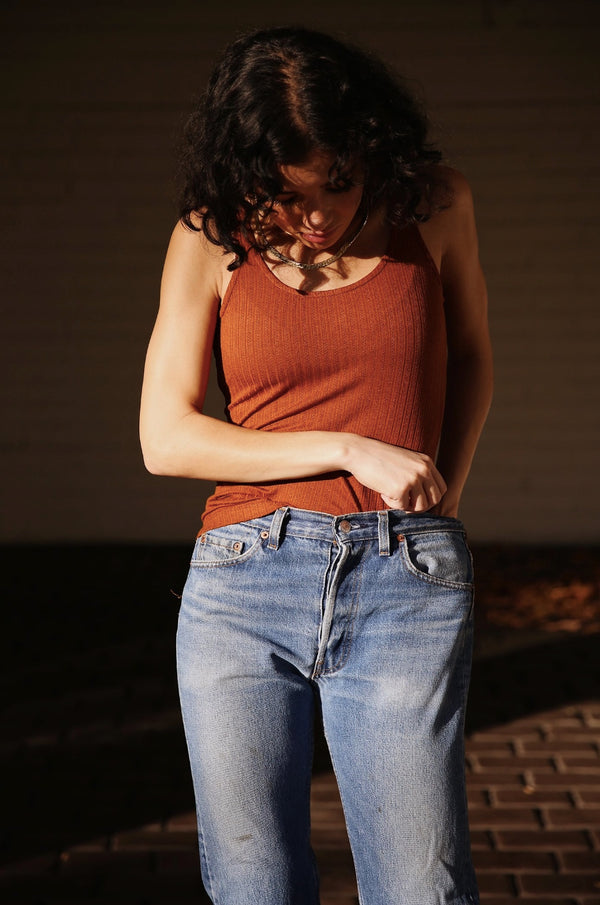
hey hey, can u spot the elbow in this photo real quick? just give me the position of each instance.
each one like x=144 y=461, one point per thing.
x=168 y=451
x=155 y=457
x=164 y=446
x=166 y=460
x=153 y=466
x=154 y=463
x=156 y=446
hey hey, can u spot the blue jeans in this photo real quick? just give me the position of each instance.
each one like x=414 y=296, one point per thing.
x=373 y=612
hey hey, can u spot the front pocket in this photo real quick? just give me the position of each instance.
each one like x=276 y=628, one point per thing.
x=441 y=557
x=226 y=546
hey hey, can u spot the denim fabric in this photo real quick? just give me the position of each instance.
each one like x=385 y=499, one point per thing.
x=373 y=612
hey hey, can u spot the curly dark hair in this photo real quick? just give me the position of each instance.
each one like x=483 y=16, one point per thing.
x=278 y=94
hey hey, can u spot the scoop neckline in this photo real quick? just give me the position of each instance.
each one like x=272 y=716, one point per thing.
x=347 y=287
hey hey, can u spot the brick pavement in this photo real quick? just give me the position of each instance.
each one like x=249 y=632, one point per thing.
x=97 y=801
x=534 y=798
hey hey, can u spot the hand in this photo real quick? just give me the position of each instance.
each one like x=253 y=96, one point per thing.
x=446 y=508
x=405 y=479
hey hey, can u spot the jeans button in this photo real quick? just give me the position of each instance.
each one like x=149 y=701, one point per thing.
x=345 y=526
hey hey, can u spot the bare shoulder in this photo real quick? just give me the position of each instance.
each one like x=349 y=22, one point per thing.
x=465 y=293
x=179 y=352
x=195 y=269
x=458 y=212
x=458 y=231
x=459 y=190
x=451 y=231
x=458 y=220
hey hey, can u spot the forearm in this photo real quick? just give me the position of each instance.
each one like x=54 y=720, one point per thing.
x=198 y=446
x=468 y=398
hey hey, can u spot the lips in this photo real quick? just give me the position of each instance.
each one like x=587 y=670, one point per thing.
x=323 y=236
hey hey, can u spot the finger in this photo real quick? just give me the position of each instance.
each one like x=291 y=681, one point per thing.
x=412 y=500
x=404 y=502
x=418 y=500
x=430 y=485
x=435 y=494
x=434 y=483
x=440 y=483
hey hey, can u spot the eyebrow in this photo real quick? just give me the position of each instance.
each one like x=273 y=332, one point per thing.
x=337 y=179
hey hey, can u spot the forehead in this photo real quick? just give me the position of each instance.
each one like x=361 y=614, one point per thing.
x=312 y=171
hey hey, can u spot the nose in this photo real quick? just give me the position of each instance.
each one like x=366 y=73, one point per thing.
x=315 y=210
x=315 y=216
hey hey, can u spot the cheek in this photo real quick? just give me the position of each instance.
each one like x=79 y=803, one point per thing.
x=282 y=219
x=346 y=206
x=355 y=200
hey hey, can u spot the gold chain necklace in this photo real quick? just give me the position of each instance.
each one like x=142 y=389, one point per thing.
x=281 y=257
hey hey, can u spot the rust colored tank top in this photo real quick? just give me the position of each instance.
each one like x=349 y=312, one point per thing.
x=369 y=358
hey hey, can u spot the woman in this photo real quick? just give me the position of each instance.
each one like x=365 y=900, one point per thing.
x=332 y=263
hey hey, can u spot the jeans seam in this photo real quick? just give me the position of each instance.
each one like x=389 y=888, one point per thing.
x=209 y=881
x=410 y=532
x=315 y=537
x=349 y=634
x=466 y=660
x=341 y=794
x=316 y=670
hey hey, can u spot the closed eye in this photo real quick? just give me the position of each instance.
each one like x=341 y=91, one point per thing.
x=335 y=187
x=287 y=201
x=340 y=186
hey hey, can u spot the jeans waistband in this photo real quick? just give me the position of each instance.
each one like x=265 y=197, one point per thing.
x=381 y=525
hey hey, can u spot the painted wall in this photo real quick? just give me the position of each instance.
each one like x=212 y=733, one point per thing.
x=94 y=98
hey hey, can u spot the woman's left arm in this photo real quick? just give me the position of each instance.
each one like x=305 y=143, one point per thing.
x=470 y=369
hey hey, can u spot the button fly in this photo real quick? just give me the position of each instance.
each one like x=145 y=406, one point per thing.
x=345 y=526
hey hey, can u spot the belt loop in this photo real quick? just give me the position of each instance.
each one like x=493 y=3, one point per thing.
x=276 y=532
x=383 y=520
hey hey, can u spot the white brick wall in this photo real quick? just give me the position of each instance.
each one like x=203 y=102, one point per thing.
x=94 y=101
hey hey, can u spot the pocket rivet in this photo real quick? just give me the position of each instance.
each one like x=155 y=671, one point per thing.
x=264 y=534
x=237 y=546
x=400 y=537
x=203 y=538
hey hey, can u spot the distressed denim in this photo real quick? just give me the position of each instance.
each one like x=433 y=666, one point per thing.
x=373 y=613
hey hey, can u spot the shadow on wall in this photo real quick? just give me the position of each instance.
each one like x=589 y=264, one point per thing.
x=92 y=739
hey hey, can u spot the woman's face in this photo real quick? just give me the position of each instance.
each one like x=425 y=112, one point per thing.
x=311 y=208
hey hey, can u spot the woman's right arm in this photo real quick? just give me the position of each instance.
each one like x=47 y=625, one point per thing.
x=178 y=439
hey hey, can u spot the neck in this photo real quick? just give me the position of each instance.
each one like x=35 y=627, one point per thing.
x=292 y=262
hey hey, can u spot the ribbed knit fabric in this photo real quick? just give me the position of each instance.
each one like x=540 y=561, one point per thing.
x=369 y=358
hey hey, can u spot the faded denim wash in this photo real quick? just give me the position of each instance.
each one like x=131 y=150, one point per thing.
x=373 y=612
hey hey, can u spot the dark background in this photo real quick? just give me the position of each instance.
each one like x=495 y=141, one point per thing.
x=94 y=99
x=95 y=549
